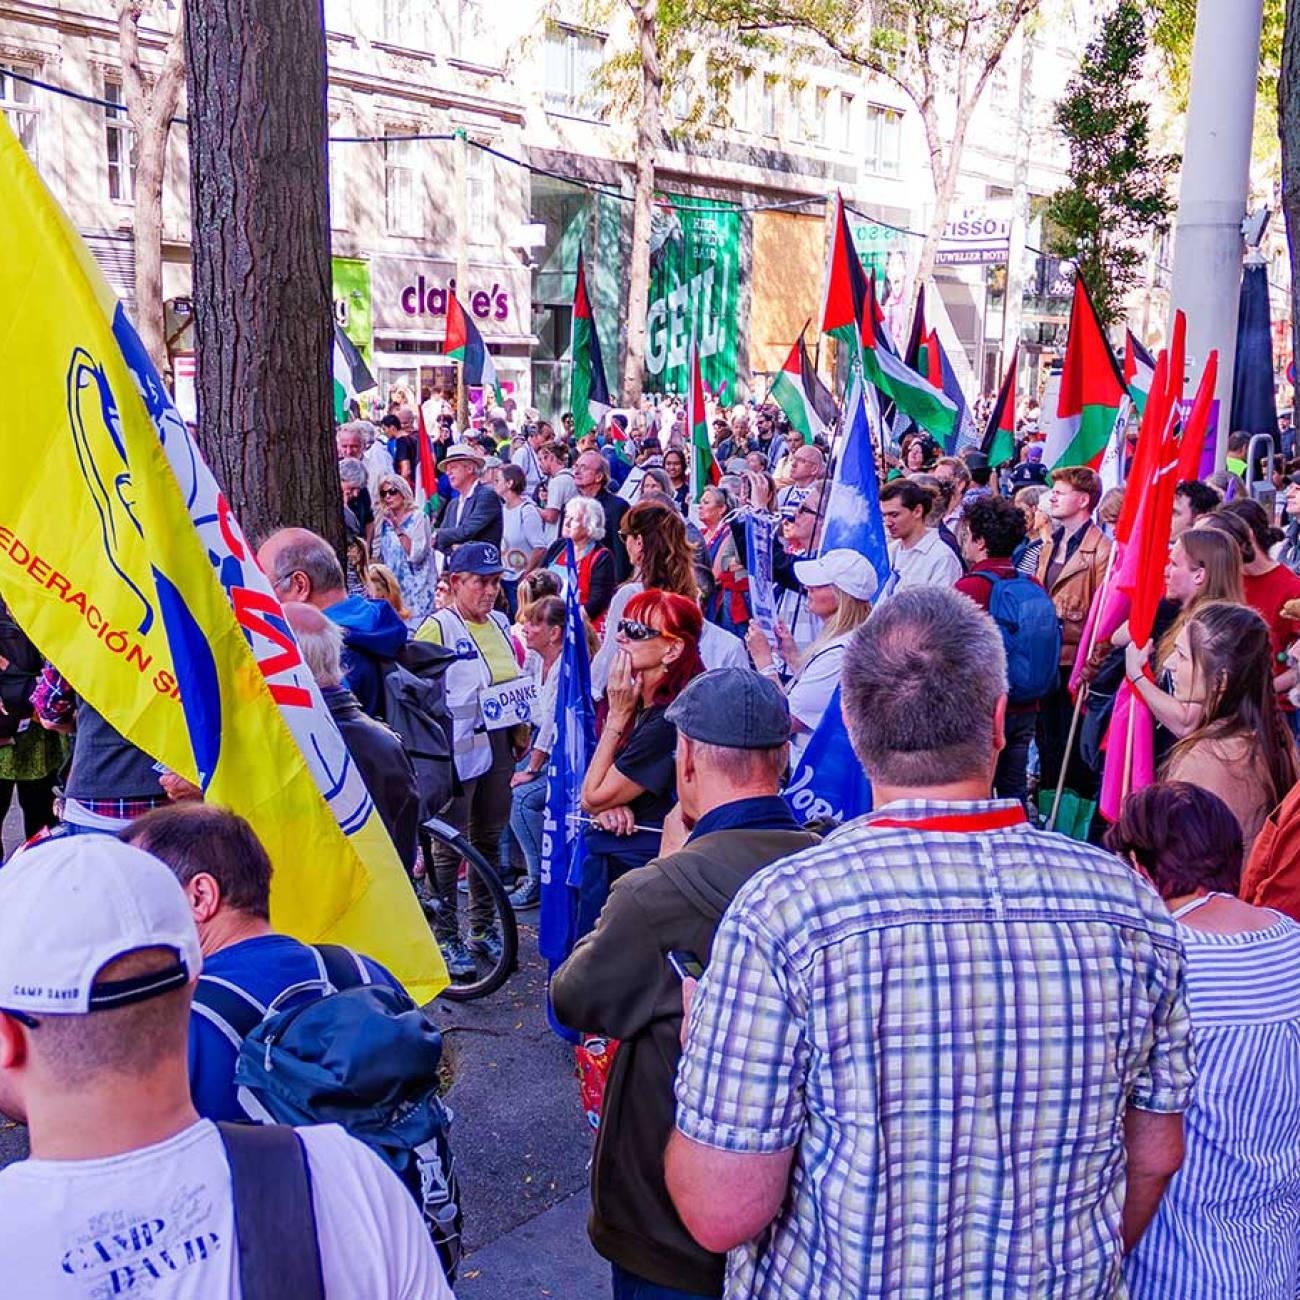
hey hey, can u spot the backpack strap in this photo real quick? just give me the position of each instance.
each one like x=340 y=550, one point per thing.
x=228 y=1008
x=340 y=966
x=275 y=1220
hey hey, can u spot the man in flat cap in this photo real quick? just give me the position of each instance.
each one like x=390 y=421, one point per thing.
x=733 y=731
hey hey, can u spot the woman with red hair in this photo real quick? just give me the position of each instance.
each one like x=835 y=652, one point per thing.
x=630 y=786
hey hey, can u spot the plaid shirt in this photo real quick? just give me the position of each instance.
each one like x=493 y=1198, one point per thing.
x=946 y=1013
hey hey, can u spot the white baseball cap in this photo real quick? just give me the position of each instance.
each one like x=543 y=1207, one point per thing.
x=850 y=572
x=71 y=905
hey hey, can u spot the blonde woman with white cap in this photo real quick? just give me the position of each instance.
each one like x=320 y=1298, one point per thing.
x=839 y=586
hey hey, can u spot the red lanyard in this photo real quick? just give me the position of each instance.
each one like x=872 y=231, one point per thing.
x=994 y=819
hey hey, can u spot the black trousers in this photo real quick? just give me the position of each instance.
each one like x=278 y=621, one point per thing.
x=1055 y=711
x=1010 y=781
x=36 y=798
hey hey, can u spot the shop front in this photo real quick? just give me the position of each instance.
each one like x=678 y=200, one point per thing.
x=409 y=297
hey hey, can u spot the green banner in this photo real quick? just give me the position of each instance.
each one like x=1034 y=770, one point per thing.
x=694 y=289
x=352 y=301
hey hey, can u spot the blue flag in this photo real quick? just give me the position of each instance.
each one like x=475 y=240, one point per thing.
x=853 y=520
x=828 y=780
x=563 y=821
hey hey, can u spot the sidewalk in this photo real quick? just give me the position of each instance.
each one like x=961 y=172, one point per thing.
x=547 y=1256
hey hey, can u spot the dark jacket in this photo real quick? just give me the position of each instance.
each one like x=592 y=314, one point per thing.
x=385 y=767
x=615 y=508
x=479 y=521
x=617 y=982
x=600 y=590
x=372 y=632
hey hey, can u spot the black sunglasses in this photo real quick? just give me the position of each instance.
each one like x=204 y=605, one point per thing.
x=635 y=630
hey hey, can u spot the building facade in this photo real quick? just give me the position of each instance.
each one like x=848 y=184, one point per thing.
x=489 y=144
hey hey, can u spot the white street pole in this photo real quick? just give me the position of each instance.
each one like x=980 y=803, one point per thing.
x=1212 y=197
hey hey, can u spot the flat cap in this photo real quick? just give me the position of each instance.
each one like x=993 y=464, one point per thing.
x=735 y=708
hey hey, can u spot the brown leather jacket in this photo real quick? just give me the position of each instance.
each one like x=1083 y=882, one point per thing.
x=1075 y=586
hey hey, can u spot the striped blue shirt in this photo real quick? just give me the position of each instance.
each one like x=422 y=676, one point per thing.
x=946 y=1014
x=1228 y=1227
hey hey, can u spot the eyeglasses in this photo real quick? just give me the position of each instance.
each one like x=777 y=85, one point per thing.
x=634 y=630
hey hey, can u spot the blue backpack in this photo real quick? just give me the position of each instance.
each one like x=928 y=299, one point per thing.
x=358 y=1054
x=1031 y=633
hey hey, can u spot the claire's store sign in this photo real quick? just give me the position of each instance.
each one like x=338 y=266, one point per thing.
x=422 y=297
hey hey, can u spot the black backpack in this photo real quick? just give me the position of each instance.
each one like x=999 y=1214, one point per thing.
x=22 y=663
x=415 y=706
x=361 y=1055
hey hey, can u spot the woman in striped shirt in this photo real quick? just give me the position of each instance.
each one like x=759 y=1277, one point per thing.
x=1228 y=1226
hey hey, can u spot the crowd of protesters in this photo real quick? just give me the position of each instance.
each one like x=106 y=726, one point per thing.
x=979 y=1041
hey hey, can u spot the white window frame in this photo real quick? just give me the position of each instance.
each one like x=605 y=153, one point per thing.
x=402 y=173
x=883 y=137
x=338 y=183
x=767 y=105
x=18 y=103
x=847 y=104
x=578 y=53
x=481 y=193
x=119 y=136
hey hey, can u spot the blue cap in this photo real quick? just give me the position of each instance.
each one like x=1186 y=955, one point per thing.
x=476 y=557
x=735 y=708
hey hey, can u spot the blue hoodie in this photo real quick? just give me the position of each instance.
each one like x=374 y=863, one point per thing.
x=371 y=631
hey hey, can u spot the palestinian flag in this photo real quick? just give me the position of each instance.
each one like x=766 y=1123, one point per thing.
x=703 y=468
x=1092 y=389
x=426 y=469
x=588 y=391
x=999 y=443
x=352 y=376
x=851 y=314
x=915 y=356
x=797 y=390
x=465 y=344
x=1139 y=366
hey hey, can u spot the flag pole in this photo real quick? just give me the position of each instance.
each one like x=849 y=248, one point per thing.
x=1103 y=592
x=1128 y=747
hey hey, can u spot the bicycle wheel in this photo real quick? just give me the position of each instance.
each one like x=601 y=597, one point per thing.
x=489 y=974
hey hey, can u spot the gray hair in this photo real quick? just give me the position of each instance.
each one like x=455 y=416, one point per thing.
x=657 y=479
x=352 y=473
x=362 y=427
x=921 y=680
x=310 y=554
x=592 y=513
x=742 y=767
x=322 y=651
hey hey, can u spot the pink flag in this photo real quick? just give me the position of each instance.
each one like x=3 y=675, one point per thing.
x=1142 y=765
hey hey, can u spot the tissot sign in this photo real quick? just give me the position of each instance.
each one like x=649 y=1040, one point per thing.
x=980 y=232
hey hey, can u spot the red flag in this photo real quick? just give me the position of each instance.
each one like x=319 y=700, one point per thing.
x=1177 y=359
x=1198 y=421
x=1151 y=537
x=1150 y=432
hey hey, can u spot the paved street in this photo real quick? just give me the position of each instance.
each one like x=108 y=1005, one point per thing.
x=522 y=1143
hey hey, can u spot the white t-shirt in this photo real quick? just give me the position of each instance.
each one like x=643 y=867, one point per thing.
x=158 y=1223
x=522 y=533
x=561 y=488
x=811 y=691
x=526 y=458
x=721 y=649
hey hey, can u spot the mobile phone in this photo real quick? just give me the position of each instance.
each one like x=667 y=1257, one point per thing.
x=685 y=964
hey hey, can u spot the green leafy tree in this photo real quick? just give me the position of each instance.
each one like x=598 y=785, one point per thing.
x=941 y=53
x=1118 y=194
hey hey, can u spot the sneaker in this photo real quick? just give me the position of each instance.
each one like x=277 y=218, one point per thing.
x=485 y=944
x=460 y=965
x=528 y=895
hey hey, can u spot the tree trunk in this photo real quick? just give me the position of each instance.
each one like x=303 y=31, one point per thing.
x=647 y=142
x=150 y=110
x=1288 y=122
x=262 y=310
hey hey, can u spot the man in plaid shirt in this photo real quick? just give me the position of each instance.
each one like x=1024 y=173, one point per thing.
x=942 y=1053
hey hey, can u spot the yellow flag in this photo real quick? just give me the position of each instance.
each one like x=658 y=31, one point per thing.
x=121 y=559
